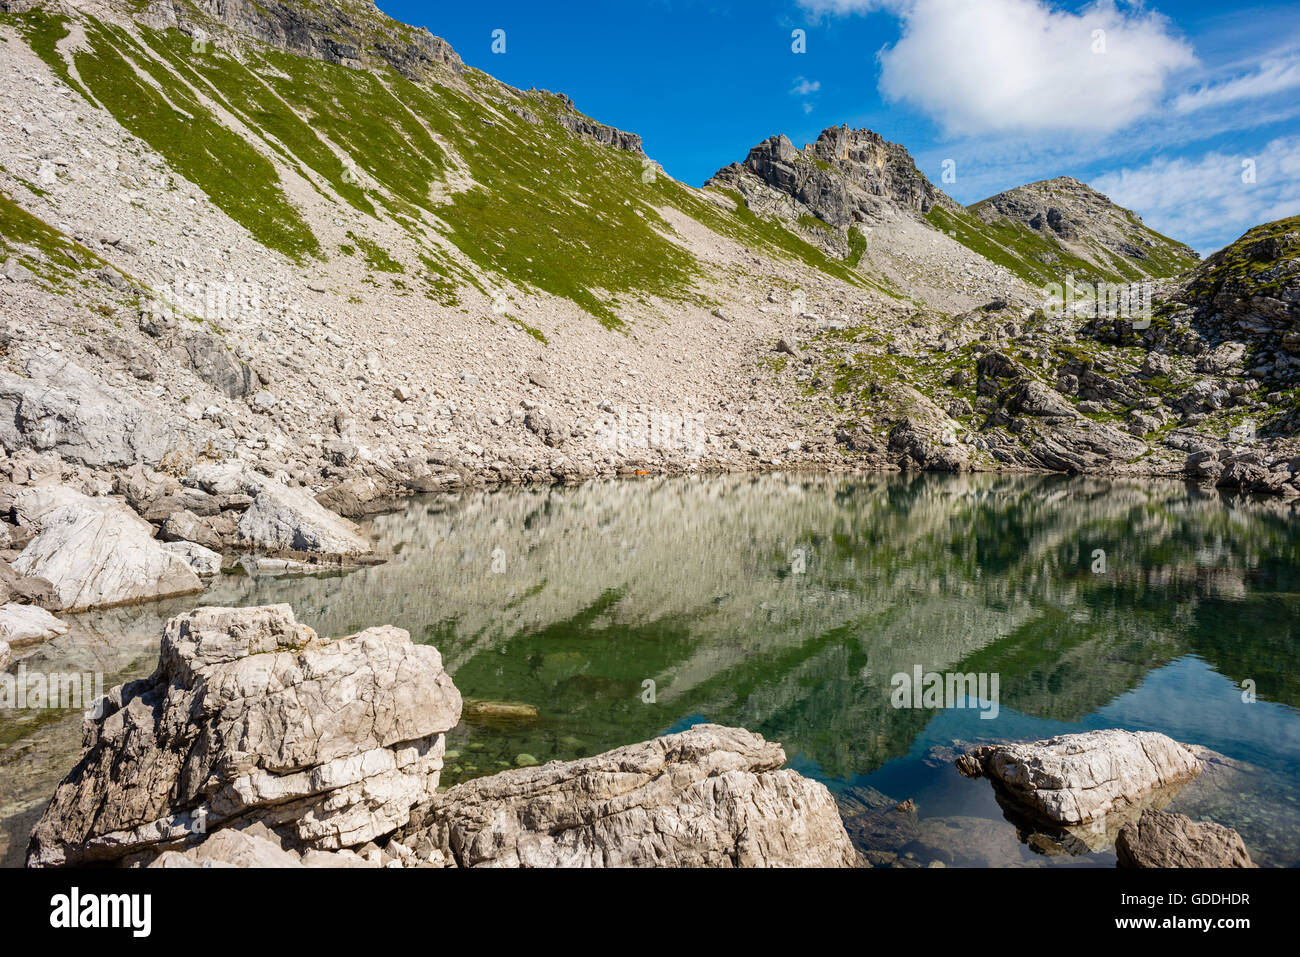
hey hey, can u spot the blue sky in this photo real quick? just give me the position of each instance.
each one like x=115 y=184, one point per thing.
x=1186 y=112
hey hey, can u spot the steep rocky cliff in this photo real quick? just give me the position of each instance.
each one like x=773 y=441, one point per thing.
x=847 y=177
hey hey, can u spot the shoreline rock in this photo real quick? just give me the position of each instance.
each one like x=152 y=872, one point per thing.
x=707 y=797
x=257 y=742
x=251 y=717
x=1077 y=778
x=28 y=624
x=96 y=552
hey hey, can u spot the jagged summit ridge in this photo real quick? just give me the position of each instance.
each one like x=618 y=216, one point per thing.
x=353 y=33
x=846 y=177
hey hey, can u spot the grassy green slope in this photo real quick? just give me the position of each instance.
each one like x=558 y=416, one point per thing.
x=534 y=205
x=1040 y=260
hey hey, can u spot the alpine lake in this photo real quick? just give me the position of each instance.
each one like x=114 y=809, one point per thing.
x=827 y=613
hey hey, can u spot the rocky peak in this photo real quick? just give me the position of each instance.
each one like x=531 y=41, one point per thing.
x=1063 y=205
x=579 y=124
x=847 y=176
x=352 y=33
x=1081 y=219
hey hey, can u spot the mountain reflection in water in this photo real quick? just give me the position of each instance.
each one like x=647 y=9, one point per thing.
x=786 y=604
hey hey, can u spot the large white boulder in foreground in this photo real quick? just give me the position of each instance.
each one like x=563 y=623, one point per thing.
x=96 y=552
x=252 y=718
x=707 y=797
x=1077 y=778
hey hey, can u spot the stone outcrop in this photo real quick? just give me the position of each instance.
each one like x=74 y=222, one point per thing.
x=584 y=126
x=255 y=742
x=27 y=624
x=1160 y=839
x=1077 y=778
x=1032 y=425
x=281 y=520
x=214 y=363
x=5 y=654
x=26 y=590
x=249 y=718
x=707 y=797
x=1080 y=220
x=848 y=176
x=95 y=552
x=253 y=846
x=203 y=561
x=350 y=33
x=63 y=408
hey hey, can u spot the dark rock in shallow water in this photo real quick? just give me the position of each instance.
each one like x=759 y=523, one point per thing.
x=1158 y=839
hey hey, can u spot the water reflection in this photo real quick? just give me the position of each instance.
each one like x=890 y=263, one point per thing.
x=785 y=604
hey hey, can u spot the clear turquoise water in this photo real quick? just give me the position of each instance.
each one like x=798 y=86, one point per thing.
x=786 y=603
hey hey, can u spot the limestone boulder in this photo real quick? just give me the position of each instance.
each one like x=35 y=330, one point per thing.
x=185 y=526
x=95 y=552
x=28 y=624
x=707 y=797
x=1160 y=839
x=1078 y=778
x=254 y=846
x=204 y=562
x=283 y=519
x=252 y=718
x=59 y=406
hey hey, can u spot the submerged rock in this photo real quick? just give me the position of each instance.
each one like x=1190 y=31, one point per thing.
x=1077 y=778
x=500 y=713
x=707 y=797
x=1159 y=839
x=251 y=717
x=95 y=552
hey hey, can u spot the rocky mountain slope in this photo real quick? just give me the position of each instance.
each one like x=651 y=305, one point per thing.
x=310 y=244
x=1079 y=227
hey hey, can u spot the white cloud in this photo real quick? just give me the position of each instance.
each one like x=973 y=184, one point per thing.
x=1273 y=76
x=1204 y=201
x=999 y=66
x=803 y=86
